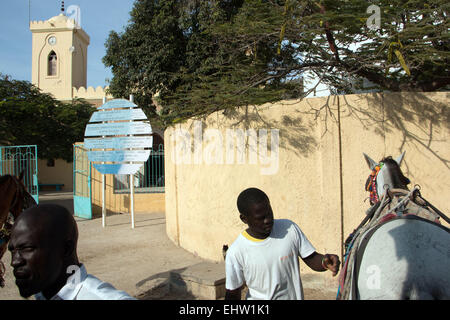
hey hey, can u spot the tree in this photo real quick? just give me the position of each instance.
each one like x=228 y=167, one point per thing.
x=146 y=57
x=28 y=116
x=406 y=49
x=233 y=73
x=222 y=54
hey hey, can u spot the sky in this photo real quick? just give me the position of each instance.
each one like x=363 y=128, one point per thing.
x=98 y=18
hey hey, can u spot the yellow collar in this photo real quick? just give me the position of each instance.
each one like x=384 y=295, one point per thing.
x=249 y=237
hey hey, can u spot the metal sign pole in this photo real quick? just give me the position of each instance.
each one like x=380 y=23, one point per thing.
x=103 y=187
x=132 y=184
x=103 y=201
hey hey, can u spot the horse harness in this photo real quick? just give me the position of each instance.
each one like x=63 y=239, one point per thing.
x=371 y=183
x=394 y=204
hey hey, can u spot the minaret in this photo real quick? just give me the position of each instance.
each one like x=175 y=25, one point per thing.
x=59 y=55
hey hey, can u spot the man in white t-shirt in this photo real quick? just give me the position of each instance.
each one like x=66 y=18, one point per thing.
x=43 y=248
x=265 y=255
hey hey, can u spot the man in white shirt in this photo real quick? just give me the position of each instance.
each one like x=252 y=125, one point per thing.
x=265 y=255
x=43 y=248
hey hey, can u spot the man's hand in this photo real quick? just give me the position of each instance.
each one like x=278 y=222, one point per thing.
x=331 y=262
x=233 y=294
x=322 y=262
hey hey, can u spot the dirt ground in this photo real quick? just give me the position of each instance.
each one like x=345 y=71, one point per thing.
x=137 y=260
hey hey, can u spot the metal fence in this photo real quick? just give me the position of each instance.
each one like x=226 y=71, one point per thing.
x=81 y=183
x=149 y=179
x=17 y=159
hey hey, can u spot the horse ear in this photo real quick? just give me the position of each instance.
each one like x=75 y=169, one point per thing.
x=21 y=175
x=370 y=162
x=400 y=158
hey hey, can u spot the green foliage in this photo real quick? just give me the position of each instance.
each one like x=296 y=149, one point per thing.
x=204 y=56
x=28 y=116
x=147 y=55
x=333 y=40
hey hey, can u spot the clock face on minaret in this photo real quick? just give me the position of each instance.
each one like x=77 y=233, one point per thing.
x=52 y=40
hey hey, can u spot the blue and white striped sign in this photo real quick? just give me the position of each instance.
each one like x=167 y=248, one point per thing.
x=120 y=168
x=118 y=142
x=118 y=155
x=110 y=140
x=117 y=128
x=114 y=115
x=118 y=103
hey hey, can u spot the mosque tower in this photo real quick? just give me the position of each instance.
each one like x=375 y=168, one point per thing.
x=59 y=56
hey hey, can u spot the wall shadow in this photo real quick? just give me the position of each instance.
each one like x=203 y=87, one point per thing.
x=296 y=132
x=415 y=116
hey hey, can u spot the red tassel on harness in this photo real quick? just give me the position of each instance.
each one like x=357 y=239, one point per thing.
x=371 y=184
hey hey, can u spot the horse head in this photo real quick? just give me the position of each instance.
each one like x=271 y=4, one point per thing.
x=388 y=255
x=21 y=199
x=385 y=174
x=15 y=198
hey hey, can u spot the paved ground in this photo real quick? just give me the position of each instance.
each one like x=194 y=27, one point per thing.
x=135 y=260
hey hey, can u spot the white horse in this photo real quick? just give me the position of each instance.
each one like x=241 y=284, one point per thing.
x=403 y=252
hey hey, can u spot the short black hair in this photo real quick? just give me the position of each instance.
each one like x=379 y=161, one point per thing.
x=58 y=223
x=249 y=197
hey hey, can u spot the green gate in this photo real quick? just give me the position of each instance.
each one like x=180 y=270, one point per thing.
x=81 y=183
x=15 y=159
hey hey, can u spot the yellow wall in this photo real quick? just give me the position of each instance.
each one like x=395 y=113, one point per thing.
x=91 y=94
x=62 y=172
x=310 y=187
x=120 y=202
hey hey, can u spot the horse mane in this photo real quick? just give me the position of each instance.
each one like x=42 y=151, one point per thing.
x=398 y=178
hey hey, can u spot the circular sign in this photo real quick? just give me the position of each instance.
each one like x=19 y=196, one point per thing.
x=118 y=138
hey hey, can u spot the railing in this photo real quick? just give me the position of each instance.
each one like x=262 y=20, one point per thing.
x=15 y=159
x=149 y=179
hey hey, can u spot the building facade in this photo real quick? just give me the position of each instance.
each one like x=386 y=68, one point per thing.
x=59 y=60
